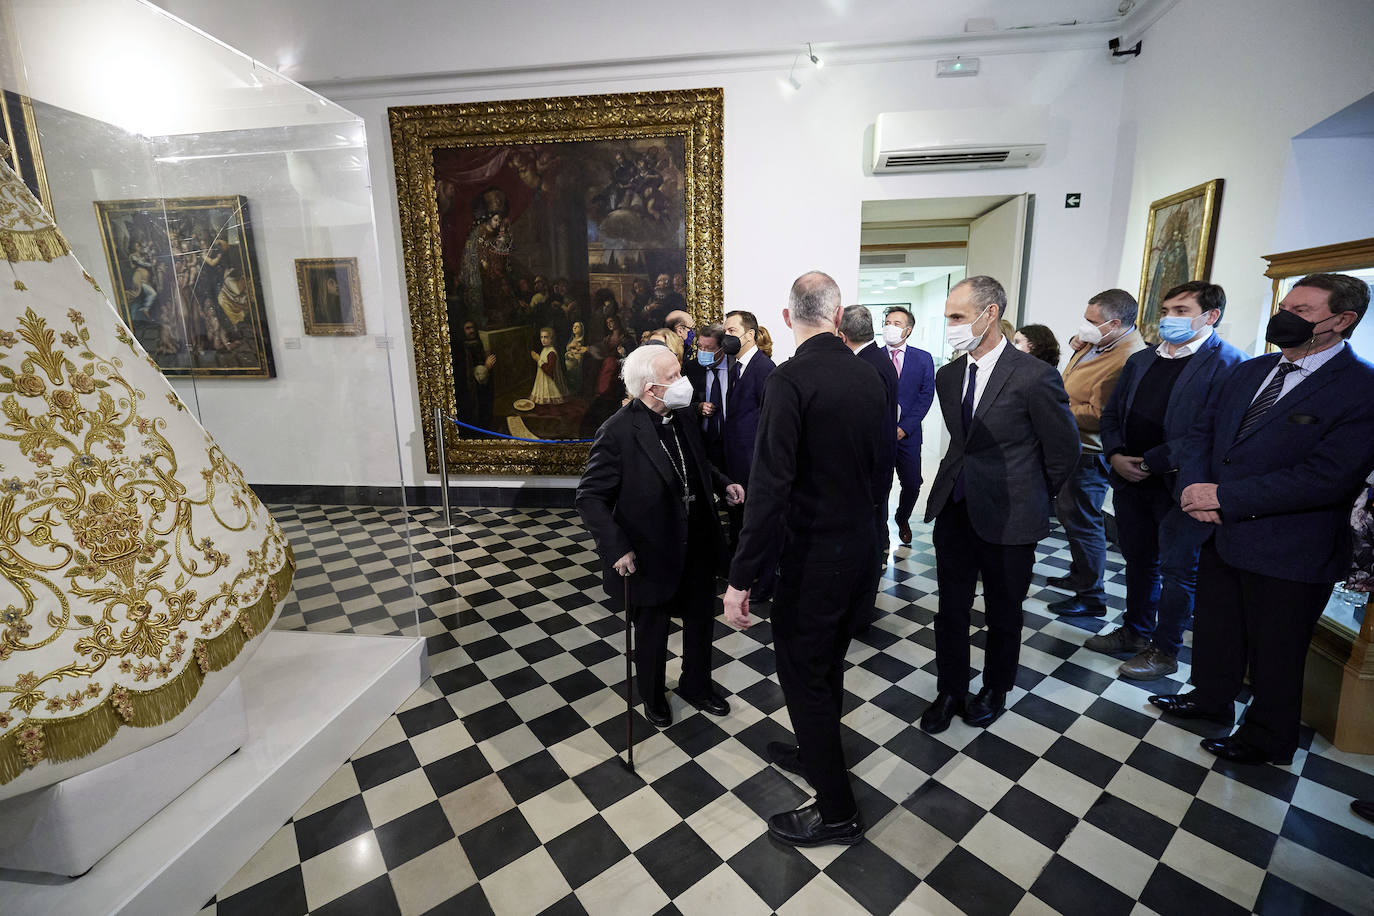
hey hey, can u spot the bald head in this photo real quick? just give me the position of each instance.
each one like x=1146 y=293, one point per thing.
x=814 y=300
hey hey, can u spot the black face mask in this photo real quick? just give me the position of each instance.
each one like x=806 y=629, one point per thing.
x=1288 y=330
x=730 y=345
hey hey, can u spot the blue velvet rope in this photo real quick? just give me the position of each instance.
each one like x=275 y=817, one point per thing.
x=491 y=432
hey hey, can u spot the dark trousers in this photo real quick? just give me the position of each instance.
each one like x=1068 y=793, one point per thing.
x=909 y=476
x=1160 y=543
x=693 y=603
x=1245 y=617
x=1079 y=507
x=813 y=615
x=762 y=589
x=961 y=556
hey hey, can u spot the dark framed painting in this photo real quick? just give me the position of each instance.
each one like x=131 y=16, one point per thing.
x=1179 y=240
x=541 y=238
x=331 y=296
x=22 y=151
x=185 y=277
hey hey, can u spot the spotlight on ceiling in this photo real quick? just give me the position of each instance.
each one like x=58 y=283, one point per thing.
x=812 y=54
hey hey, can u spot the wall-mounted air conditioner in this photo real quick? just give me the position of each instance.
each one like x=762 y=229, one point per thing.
x=967 y=138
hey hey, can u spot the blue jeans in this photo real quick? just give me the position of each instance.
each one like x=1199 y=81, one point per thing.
x=1160 y=543
x=1079 y=507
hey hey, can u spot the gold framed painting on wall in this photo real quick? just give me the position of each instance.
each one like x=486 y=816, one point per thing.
x=540 y=236
x=331 y=296
x=1287 y=267
x=1179 y=241
x=24 y=154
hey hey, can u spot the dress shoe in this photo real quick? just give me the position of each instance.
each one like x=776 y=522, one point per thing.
x=804 y=827
x=1150 y=665
x=1183 y=706
x=1078 y=607
x=1061 y=582
x=985 y=707
x=1238 y=750
x=1117 y=642
x=1364 y=808
x=904 y=533
x=786 y=757
x=712 y=703
x=941 y=712
x=659 y=713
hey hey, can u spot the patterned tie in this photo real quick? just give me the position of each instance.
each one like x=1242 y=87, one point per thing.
x=1260 y=405
x=897 y=361
x=718 y=402
x=966 y=414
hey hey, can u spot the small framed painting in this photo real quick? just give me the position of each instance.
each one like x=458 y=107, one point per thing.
x=331 y=297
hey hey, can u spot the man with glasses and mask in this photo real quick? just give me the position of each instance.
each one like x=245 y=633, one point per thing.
x=1110 y=336
x=1012 y=443
x=747 y=370
x=647 y=498
x=1161 y=393
x=707 y=371
x=1274 y=466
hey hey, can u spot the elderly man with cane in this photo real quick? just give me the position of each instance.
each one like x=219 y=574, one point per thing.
x=647 y=498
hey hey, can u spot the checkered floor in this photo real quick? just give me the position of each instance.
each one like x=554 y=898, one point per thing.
x=496 y=788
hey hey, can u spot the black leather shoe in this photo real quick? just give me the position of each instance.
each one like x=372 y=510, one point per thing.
x=1061 y=582
x=904 y=533
x=1364 y=808
x=659 y=714
x=786 y=757
x=713 y=703
x=804 y=827
x=940 y=713
x=986 y=707
x=1183 y=706
x=1238 y=750
x=1077 y=607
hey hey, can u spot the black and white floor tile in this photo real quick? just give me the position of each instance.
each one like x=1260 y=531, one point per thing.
x=497 y=787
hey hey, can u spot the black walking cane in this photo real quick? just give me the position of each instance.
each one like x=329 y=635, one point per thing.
x=629 y=763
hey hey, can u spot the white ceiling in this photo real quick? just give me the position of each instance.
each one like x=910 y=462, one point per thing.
x=322 y=40
x=872 y=279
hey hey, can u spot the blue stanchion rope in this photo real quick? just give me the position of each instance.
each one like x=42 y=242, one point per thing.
x=491 y=432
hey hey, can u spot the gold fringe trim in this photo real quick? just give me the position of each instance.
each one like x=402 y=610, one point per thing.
x=36 y=245
x=85 y=733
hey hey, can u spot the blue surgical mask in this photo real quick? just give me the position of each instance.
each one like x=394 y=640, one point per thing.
x=707 y=359
x=1177 y=329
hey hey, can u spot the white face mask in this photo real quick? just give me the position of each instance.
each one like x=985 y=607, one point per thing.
x=678 y=394
x=893 y=335
x=1091 y=333
x=961 y=336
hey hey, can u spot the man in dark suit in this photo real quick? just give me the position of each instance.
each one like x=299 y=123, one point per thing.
x=709 y=374
x=816 y=481
x=646 y=496
x=856 y=330
x=1012 y=442
x=1274 y=465
x=1160 y=394
x=915 y=393
x=748 y=370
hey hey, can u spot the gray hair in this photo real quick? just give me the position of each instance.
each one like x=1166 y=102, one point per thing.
x=814 y=298
x=638 y=368
x=1118 y=304
x=857 y=324
x=985 y=291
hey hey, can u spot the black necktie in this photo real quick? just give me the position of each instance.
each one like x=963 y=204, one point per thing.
x=1260 y=405
x=966 y=414
x=734 y=379
x=717 y=403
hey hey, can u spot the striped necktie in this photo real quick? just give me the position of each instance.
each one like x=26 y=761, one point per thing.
x=1260 y=405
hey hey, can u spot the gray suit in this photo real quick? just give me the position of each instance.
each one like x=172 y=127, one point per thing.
x=1019 y=449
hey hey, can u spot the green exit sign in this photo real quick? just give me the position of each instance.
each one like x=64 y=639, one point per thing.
x=1073 y=201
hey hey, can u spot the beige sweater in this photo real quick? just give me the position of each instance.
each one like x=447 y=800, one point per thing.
x=1090 y=385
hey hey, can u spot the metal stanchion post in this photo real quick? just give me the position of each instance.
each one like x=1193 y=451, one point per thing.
x=443 y=468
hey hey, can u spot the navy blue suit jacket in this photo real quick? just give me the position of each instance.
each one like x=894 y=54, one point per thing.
x=915 y=390
x=876 y=356
x=1287 y=488
x=742 y=403
x=1197 y=382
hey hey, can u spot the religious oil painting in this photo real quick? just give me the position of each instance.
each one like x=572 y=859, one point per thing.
x=1179 y=240
x=186 y=280
x=21 y=150
x=331 y=296
x=543 y=238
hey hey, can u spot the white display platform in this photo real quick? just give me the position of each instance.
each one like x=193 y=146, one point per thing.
x=311 y=700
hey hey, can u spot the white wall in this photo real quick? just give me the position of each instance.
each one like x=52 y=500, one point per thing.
x=1220 y=91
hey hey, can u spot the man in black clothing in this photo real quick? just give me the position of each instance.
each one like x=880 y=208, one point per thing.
x=814 y=486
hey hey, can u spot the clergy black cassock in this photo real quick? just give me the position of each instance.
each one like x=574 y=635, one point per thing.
x=813 y=490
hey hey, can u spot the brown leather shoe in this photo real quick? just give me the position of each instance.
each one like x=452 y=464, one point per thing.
x=1152 y=664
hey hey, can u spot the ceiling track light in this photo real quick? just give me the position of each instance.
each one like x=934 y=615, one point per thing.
x=814 y=59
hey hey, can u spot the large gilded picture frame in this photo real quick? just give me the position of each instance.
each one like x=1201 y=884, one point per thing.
x=538 y=236
x=19 y=132
x=1180 y=238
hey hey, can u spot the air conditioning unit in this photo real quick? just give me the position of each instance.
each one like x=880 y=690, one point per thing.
x=967 y=138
